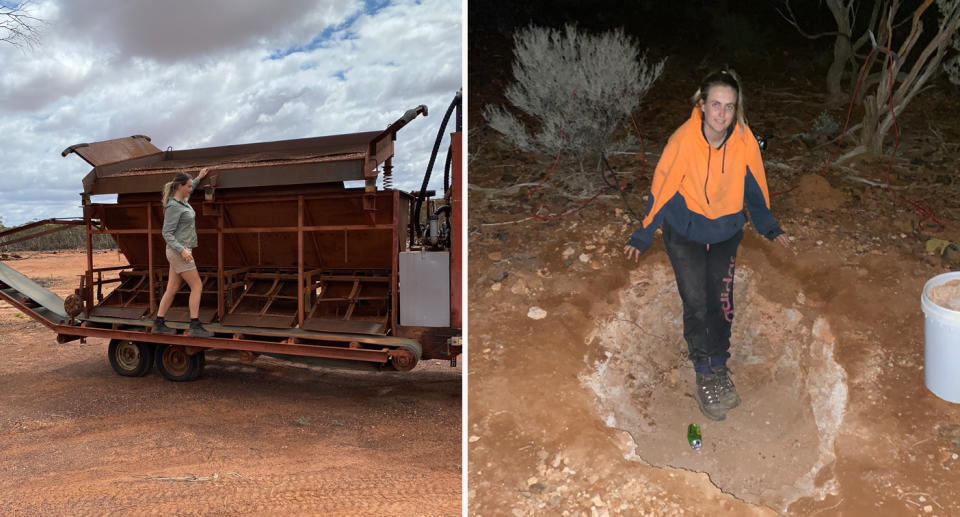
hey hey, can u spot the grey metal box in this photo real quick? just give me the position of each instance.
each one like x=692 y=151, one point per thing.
x=425 y=288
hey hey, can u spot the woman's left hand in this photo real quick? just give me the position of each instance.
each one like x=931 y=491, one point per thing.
x=783 y=239
x=203 y=173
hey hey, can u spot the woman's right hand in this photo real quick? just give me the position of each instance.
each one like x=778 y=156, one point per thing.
x=186 y=255
x=632 y=252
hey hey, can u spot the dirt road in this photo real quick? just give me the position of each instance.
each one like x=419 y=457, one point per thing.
x=267 y=438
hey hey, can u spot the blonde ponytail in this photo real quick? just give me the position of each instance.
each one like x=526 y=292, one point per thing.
x=168 y=191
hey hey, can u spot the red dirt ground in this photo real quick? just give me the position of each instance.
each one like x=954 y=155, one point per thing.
x=267 y=438
x=828 y=349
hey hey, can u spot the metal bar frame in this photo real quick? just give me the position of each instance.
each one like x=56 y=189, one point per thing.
x=237 y=343
x=260 y=229
x=304 y=232
x=394 y=278
x=220 y=276
x=153 y=307
x=87 y=295
x=300 y=262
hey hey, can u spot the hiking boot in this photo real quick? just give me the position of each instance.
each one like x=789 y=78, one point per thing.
x=160 y=327
x=707 y=396
x=728 y=392
x=196 y=330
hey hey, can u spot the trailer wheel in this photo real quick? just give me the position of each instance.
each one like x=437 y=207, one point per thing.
x=402 y=359
x=130 y=358
x=176 y=364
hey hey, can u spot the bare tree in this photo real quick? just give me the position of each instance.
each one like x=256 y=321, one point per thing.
x=844 y=47
x=894 y=70
x=17 y=26
x=903 y=74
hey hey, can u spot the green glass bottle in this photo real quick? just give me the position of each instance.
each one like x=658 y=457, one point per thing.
x=693 y=436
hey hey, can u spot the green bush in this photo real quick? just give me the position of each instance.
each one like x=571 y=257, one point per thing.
x=69 y=239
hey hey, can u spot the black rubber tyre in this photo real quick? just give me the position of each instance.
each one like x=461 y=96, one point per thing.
x=176 y=364
x=130 y=358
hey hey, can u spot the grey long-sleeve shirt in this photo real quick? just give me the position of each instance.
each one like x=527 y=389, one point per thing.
x=179 y=227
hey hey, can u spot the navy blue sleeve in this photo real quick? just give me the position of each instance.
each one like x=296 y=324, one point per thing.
x=642 y=239
x=761 y=216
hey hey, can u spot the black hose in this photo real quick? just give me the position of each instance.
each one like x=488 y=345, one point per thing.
x=459 y=115
x=433 y=157
x=446 y=171
x=446 y=167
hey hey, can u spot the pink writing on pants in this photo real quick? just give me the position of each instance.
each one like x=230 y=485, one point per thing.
x=725 y=302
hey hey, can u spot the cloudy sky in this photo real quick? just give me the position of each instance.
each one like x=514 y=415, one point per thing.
x=191 y=74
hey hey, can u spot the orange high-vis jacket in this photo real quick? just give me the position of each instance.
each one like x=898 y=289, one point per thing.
x=701 y=190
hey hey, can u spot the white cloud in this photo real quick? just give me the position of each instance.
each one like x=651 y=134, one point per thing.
x=217 y=73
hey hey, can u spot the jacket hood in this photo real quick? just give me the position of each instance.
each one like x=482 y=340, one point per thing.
x=710 y=180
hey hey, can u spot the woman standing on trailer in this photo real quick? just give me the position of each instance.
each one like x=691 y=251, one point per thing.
x=710 y=168
x=180 y=233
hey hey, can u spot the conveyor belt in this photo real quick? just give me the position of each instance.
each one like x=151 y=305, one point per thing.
x=29 y=296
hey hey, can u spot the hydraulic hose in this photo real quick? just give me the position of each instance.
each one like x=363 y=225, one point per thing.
x=455 y=103
x=446 y=171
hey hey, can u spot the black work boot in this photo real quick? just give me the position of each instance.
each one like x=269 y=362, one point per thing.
x=707 y=396
x=197 y=330
x=728 y=392
x=160 y=327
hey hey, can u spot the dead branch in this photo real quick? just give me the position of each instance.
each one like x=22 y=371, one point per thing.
x=191 y=479
x=507 y=222
x=502 y=190
x=853 y=153
x=18 y=26
x=792 y=20
x=872 y=183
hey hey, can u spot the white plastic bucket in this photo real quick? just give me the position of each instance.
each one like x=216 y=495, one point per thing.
x=941 y=350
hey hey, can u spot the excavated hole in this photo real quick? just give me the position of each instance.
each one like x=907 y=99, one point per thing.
x=772 y=448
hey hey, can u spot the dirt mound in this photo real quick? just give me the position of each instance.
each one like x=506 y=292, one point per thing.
x=814 y=191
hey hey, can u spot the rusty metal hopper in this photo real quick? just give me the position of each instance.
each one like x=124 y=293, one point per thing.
x=282 y=243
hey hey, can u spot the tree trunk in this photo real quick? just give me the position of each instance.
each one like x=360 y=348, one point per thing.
x=869 y=137
x=842 y=51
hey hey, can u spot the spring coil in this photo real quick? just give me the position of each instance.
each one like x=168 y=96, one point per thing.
x=387 y=180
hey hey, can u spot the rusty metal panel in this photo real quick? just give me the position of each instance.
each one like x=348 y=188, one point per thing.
x=456 y=235
x=263 y=233
x=114 y=151
x=119 y=312
x=256 y=320
x=316 y=146
x=181 y=313
x=347 y=327
x=336 y=158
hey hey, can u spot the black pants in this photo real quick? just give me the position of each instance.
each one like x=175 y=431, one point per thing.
x=705 y=276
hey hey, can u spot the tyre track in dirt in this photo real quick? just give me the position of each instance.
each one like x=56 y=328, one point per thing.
x=103 y=446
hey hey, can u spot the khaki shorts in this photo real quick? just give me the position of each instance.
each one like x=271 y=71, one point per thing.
x=176 y=261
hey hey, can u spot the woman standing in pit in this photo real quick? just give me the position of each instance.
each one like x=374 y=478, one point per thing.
x=180 y=233
x=710 y=168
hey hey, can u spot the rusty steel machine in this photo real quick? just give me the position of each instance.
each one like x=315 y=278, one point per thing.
x=293 y=262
